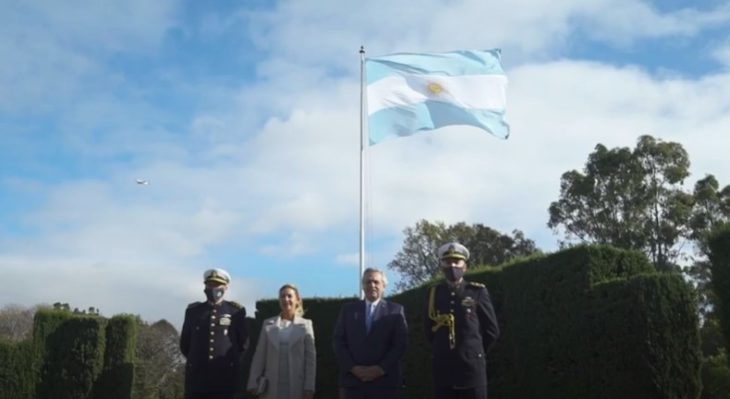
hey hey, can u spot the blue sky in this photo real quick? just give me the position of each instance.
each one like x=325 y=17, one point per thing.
x=244 y=117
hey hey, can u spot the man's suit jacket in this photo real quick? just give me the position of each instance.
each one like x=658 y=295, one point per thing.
x=302 y=357
x=384 y=345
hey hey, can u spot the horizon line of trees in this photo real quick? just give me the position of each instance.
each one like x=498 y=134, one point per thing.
x=630 y=198
x=633 y=199
x=159 y=368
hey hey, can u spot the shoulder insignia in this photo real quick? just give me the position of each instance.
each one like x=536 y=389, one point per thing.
x=194 y=304
x=475 y=284
x=235 y=304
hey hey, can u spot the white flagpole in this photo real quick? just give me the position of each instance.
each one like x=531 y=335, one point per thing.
x=363 y=146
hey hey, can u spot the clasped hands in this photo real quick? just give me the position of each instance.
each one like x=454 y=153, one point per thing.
x=367 y=373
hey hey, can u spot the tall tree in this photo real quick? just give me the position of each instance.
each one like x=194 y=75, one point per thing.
x=630 y=199
x=160 y=365
x=719 y=253
x=416 y=261
x=665 y=165
x=16 y=322
x=711 y=210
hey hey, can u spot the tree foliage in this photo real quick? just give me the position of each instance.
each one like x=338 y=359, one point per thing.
x=160 y=366
x=416 y=262
x=16 y=322
x=716 y=377
x=711 y=210
x=719 y=252
x=628 y=198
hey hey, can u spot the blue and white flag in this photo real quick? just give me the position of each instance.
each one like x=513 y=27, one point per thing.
x=409 y=93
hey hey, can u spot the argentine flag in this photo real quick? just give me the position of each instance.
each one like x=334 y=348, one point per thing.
x=409 y=93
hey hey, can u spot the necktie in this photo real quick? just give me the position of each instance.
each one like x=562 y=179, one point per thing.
x=369 y=317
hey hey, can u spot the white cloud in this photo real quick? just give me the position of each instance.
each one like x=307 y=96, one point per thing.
x=348 y=259
x=295 y=32
x=299 y=174
x=560 y=111
x=154 y=290
x=722 y=53
x=57 y=49
x=623 y=22
x=274 y=163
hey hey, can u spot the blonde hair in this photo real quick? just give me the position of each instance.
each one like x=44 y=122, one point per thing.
x=299 y=310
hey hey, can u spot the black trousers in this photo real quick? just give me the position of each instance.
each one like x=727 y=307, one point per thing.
x=370 y=393
x=195 y=395
x=453 y=393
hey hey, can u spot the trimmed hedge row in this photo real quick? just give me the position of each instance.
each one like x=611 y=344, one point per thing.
x=719 y=244
x=70 y=357
x=546 y=315
x=72 y=350
x=117 y=374
x=716 y=377
x=588 y=322
x=17 y=379
x=644 y=343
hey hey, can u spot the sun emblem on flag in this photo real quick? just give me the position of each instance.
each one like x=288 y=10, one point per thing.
x=435 y=88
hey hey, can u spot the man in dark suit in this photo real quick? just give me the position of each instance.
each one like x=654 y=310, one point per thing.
x=461 y=326
x=213 y=337
x=370 y=339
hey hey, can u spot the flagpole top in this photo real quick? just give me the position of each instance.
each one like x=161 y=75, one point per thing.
x=362 y=49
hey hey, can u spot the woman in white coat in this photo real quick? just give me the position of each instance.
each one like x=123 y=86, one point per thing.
x=285 y=355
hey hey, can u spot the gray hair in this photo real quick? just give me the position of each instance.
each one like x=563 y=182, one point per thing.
x=374 y=270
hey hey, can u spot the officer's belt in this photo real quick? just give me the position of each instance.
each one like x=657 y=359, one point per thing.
x=441 y=320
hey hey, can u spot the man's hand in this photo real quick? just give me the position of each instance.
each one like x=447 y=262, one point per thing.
x=359 y=372
x=374 y=372
x=367 y=373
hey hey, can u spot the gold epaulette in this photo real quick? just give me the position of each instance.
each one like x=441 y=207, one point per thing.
x=475 y=284
x=235 y=304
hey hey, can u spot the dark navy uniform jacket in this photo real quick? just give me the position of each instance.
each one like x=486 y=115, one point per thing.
x=384 y=345
x=475 y=330
x=212 y=339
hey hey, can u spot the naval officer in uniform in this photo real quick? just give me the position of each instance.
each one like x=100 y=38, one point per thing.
x=461 y=327
x=213 y=337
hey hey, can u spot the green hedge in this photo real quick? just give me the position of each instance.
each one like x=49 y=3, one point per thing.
x=72 y=348
x=588 y=322
x=17 y=379
x=719 y=244
x=643 y=335
x=71 y=356
x=117 y=375
x=716 y=377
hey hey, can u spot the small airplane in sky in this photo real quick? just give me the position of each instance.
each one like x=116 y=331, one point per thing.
x=143 y=182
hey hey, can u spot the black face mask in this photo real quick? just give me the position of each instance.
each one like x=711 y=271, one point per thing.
x=214 y=294
x=454 y=274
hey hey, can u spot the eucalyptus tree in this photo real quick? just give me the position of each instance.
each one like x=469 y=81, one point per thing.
x=628 y=198
x=711 y=210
